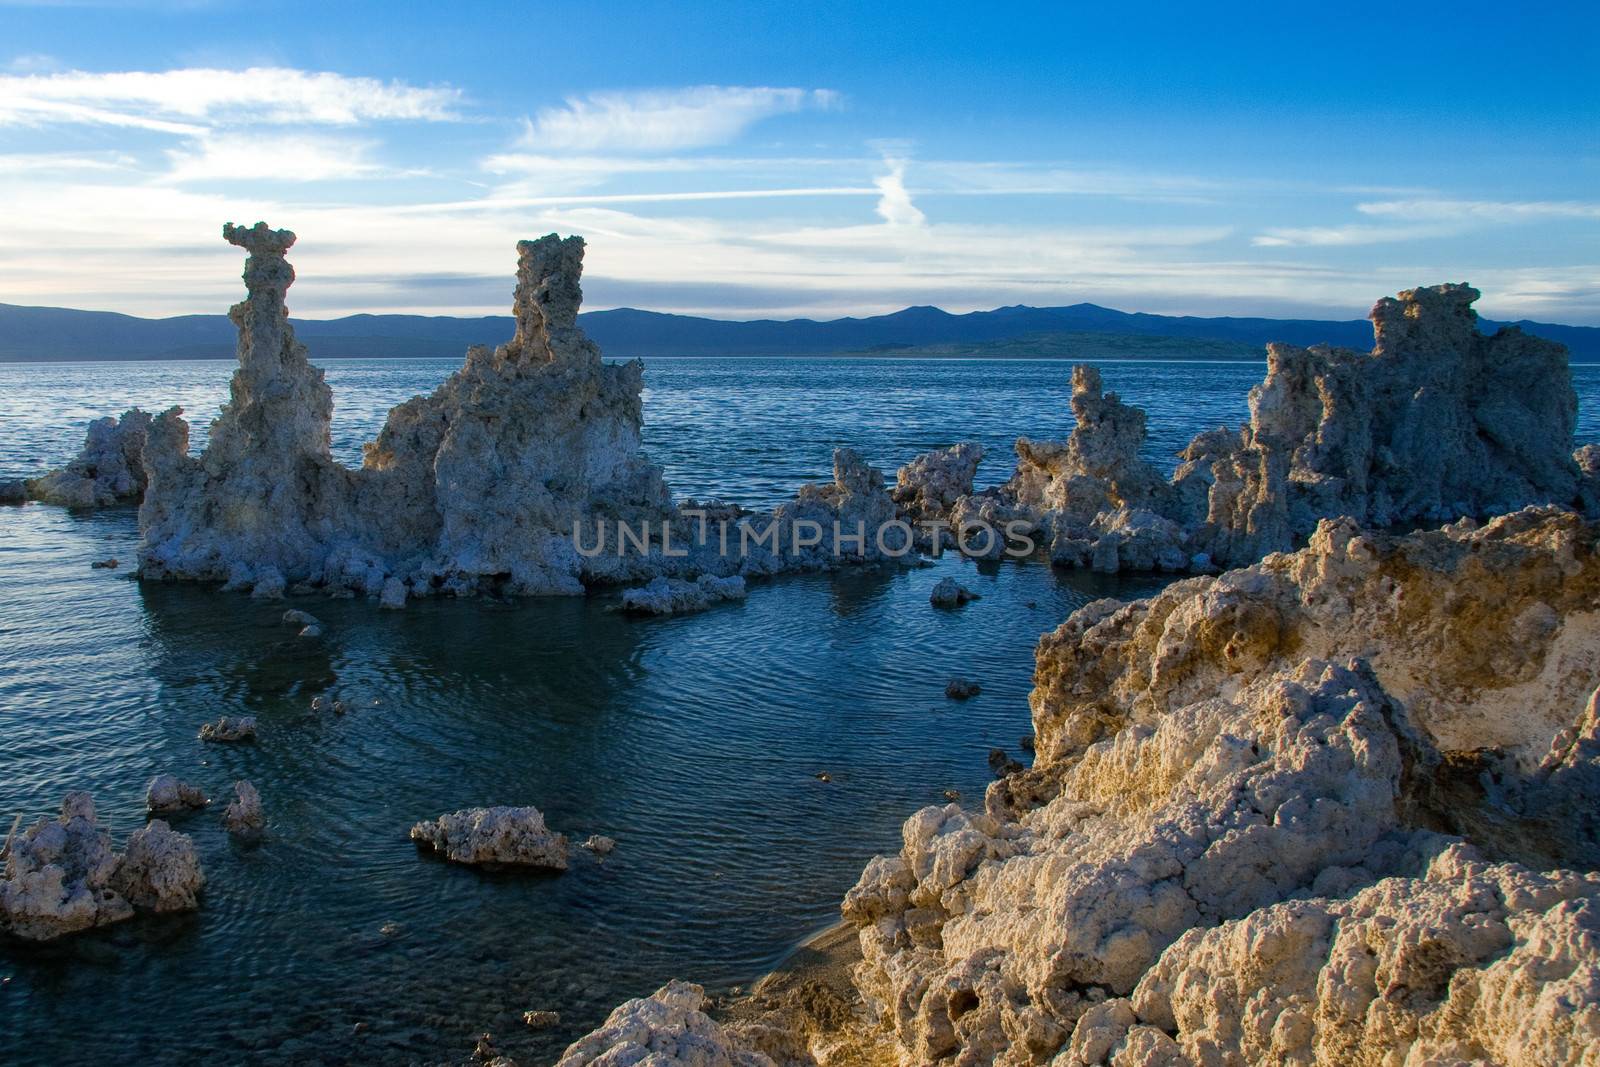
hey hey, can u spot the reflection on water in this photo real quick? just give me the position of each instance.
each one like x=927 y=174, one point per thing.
x=694 y=741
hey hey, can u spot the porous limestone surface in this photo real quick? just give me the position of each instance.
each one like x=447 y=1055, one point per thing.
x=62 y=876
x=509 y=835
x=929 y=486
x=1294 y=814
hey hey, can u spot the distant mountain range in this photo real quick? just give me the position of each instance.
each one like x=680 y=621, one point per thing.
x=41 y=334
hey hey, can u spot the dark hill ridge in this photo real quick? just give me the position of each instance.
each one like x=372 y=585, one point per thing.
x=38 y=334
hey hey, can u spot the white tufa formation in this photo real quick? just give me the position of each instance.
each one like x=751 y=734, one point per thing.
x=109 y=470
x=62 y=875
x=669 y=1028
x=509 y=835
x=1241 y=840
x=1437 y=422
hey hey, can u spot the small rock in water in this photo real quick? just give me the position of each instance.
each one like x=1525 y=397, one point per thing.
x=104 y=564
x=1003 y=765
x=949 y=593
x=541 y=1019
x=296 y=617
x=167 y=794
x=962 y=689
x=230 y=728
x=1027 y=743
x=952 y=795
x=243 y=814
x=600 y=844
x=513 y=835
x=823 y=776
x=391 y=929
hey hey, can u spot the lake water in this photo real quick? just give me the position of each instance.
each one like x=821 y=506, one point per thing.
x=695 y=742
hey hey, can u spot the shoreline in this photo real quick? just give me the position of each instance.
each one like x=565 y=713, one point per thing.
x=809 y=994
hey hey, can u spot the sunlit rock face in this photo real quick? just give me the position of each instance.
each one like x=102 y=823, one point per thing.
x=1437 y=422
x=478 y=485
x=1291 y=814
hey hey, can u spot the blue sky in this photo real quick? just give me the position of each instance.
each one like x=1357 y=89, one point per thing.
x=752 y=159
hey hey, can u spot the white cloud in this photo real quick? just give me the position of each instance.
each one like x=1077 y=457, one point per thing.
x=1338 y=236
x=664 y=120
x=1483 y=210
x=894 y=203
x=288 y=157
x=186 y=101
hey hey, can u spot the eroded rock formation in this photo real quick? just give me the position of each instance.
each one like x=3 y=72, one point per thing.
x=522 y=473
x=167 y=794
x=510 y=835
x=62 y=875
x=667 y=1028
x=1242 y=840
x=109 y=470
x=1437 y=422
x=243 y=815
x=672 y=596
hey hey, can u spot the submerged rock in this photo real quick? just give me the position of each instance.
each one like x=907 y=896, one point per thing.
x=230 y=728
x=495 y=835
x=962 y=689
x=671 y=596
x=243 y=815
x=105 y=564
x=666 y=1029
x=949 y=593
x=109 y=470
x=167 y=794
x=541 y=1020
x=1241 y=841
x=62 y=876
x=600 y=845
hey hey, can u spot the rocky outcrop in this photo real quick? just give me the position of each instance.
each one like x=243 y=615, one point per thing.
x=666 y=1029
x=243 y=816
x=514 y=836
x=109 y=470
x=62 y=875
x=521 y=474
x=166 y=794
x=672 y=596
x=929 y=486
x=949 y=593
x=1242 y=838
x=230 y=728
x=1437 y=422
x=478 y=485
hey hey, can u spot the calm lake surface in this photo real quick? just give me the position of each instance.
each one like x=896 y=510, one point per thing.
x=695 y=741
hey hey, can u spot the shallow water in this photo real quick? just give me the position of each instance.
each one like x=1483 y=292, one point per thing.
x=693 y=741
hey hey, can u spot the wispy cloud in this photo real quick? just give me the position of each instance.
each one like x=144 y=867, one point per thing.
x=664 y=120
x=1483 y=210
x=188 y=101
x=271 y=157
x=1340 y=236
